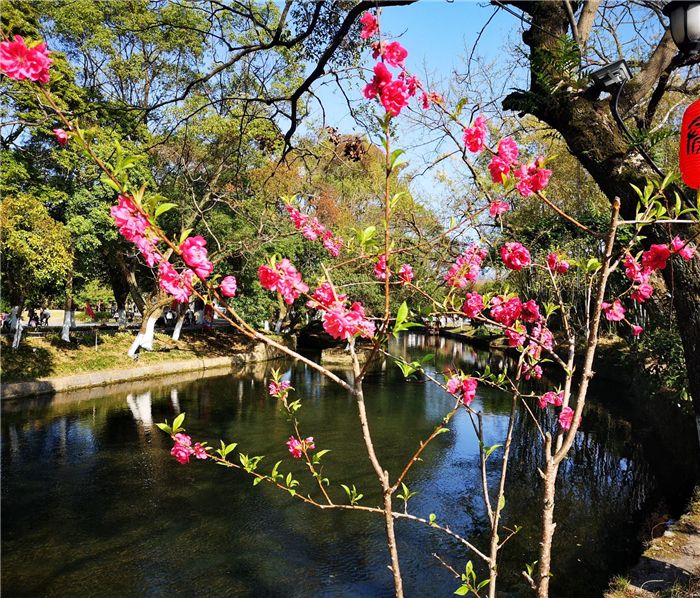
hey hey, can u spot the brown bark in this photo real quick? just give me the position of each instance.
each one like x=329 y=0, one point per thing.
x=588 y=128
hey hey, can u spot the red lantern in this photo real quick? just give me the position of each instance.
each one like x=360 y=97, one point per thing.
x=690 y=146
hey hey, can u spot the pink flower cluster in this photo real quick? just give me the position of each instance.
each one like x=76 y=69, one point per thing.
x=393 y=93
x=229 y=286
x=313 y=229
x=464 y=386
x=339 y=321
x=195 y=256
x=406 y=273
x=61 y=136
x=551 y=398
x=473 y=305
x=566 y=418
x=614 y=312
x=466 y=267
x=498 y=207
x=475 y=136
x=283 y=278
x=557 y=264
x=380 y=270
x=178 y=285
x=136 y=228
x=279 y=389
x=297 y=448
x=369 y=25
x=19 y=62
x=431 y=98
x=515 y=256
x=532 y=177
x=183 y=449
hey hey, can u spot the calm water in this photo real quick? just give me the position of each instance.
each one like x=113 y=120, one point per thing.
x=94 y=505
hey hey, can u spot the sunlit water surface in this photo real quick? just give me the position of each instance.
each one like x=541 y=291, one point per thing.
x=94 y=505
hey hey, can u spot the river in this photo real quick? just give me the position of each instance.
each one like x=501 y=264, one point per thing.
x=94 y=505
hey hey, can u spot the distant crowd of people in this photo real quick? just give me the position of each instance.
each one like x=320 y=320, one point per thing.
x=35 y=318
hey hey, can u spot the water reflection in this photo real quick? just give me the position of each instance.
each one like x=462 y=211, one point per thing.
x=93 y=502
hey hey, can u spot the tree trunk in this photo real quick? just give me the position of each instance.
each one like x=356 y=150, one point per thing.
x=181 y=312
x=18 y=333
x=129 y=284
x=68 y=312
x=593 y=137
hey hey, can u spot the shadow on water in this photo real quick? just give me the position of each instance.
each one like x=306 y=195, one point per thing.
x=92 y=501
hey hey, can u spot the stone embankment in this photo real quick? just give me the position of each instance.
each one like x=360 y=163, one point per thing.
x=259 y=353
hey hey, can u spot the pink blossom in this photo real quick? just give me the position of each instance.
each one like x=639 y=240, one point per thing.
x=532 y=177
x=61 y=136
x=312 y=229
x=178 y=285
x=499 y=169
x=532 y=372
x=551 y=398
x=642 y=292
x=475 y=136
x=380 y=270
x=516 y=336
x=431 y=98
x=680 y=247
x=637 y=330
x=566 y=418
x=614 y=312
x=556 y=264
x=530 y=311
x=129 y=220
x=508 y=150
x=498 y=207
x=466 y=267
x=413 y=83
x=515 y=256
x=394 y=54
x=382 y=77
x=298 y=219
x=394 y=97
x=345 y=324
x=406 y=273
x=369 y=25
x=279 y=388
x=147 y=247
x=635 y=271
x=229 y=286
x=200 y=452
x=454 y=385
x=655 y=258
x=505 y=312
x=469 y=390
x=294 y=447
x=182 y=448
x=333 y=245
x=19 y=62
x=195 y=256
x=473 y=304
x=324 y=297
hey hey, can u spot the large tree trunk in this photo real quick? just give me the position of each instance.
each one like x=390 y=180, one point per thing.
x=592 y=135
x=128 y=280
x=144 y=339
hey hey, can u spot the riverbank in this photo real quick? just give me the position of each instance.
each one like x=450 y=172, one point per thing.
x=48 y=364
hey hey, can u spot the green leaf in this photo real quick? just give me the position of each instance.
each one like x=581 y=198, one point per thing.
x=164 y=207
x=489 y=449
x=256 y=481
x=165 y=427
x=110 y=183
x=442 y=431
x=463 y=590
x=502 y=503
x=178 y=422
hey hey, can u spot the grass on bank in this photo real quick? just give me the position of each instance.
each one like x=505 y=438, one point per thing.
x=50 y=357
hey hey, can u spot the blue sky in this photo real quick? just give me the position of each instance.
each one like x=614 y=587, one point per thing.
x=437 y=34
